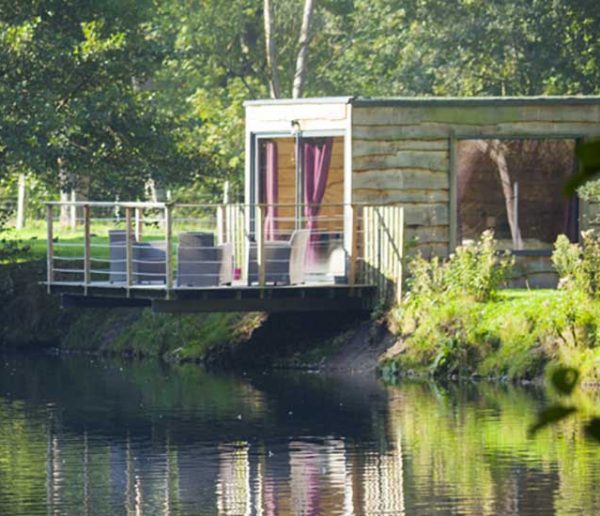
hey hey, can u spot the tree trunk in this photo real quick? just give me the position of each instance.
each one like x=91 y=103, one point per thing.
x=303 y=41
x=497 y=152
x=22 y=186
x=274 y=85
x=65 y=213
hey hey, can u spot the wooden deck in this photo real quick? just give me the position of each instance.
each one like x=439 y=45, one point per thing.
x=355 y=260
x=236 y=298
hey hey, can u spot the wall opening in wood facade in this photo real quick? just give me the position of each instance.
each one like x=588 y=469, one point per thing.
x=283 y=184
x=515 y=188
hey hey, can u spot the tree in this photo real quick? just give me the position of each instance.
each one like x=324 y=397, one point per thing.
x=74 y=96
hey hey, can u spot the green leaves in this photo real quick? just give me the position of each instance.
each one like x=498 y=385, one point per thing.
x=549 y=416
x=592 y=428
x=588 y=154
x=564 y=380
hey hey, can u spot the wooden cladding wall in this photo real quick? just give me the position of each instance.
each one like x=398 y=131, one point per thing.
x=401 y=154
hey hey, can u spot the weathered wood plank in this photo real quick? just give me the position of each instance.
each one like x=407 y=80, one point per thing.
x=439 y=130
x=426 y=215
x=362 y=148
x=437 y=161
x=427 y=234
x=399 y=196
x=400 y=178
x=477 y=115
x=427 y=249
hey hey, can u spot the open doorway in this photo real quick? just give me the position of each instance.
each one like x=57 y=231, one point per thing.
x=301 y=181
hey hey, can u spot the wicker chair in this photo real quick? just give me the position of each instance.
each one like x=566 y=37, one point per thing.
x=285 y=261
x=201 y=263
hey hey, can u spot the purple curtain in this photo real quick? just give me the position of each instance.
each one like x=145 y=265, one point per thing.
x=316 y=160
x=270 y=188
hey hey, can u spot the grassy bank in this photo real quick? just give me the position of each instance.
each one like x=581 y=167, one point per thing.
x=31 y=319
x=516 y=335
x=457 y=320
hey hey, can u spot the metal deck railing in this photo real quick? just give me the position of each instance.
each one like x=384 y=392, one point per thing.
x=176 y=247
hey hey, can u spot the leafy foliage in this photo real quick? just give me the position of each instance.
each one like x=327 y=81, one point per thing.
x=578 y=265
x=564 y=380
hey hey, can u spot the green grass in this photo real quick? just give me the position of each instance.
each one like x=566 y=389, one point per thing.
x=68 y=243
x=516 y=335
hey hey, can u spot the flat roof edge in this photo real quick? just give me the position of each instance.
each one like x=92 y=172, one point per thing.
x=305 y=100
x=476 y=101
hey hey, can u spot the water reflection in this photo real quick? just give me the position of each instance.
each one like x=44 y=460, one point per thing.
x=101 y=437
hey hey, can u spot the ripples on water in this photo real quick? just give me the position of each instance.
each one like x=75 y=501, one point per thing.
x=81 y=436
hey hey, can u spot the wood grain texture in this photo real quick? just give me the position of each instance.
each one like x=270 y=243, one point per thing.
x=476 y=115
x=436 y=161
x=400 y=178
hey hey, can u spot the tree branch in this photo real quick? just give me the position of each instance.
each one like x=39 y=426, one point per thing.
x=271 y=50
x=303 y=41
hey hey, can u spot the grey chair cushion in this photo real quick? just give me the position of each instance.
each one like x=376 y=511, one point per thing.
x=285 y=261
x=149 y=262
x=202 y=264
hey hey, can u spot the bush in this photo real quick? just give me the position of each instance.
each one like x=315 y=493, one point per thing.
x=578 y=265
x=474 y=271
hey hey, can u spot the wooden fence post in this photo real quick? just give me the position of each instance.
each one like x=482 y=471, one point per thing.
x=128 y=249
x=168 y=249
x=87 y=275
x=21 y=200
x=50 y=248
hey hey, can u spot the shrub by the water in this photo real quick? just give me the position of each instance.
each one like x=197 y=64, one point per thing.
x=456 y=320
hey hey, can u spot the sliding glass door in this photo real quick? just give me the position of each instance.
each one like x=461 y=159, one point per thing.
x=300 y=179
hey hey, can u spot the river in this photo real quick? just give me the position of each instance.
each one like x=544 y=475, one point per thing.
x=83 y=435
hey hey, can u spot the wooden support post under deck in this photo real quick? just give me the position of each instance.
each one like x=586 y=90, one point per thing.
x=355 y=212
x=50 y=248
x=128 y=251
x=260 y=244
x=168 y=250
x=87 y=275
x=400 y=246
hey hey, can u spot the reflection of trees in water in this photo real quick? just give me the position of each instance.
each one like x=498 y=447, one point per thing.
x=469 y=448
x=463 y=449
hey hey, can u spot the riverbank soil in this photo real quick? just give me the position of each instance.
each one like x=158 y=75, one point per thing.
x=31 y=319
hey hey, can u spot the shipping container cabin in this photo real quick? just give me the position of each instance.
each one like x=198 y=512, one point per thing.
x=458 y=166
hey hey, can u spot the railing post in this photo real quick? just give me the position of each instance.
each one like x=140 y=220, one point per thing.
x=260 y=244
x=138 y=224
x=168 y=249
x=221 y=231
x=87 y=275
x=128 y=253
x=50 y=248
x=354 y=210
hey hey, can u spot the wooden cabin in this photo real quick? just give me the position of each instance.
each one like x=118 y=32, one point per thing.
x=458 y=166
